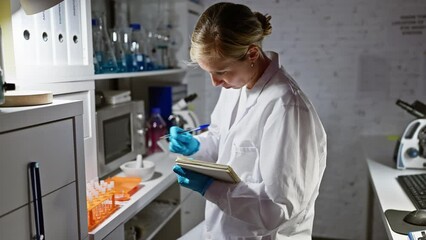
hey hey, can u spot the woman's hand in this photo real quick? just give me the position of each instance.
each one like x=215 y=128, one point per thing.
x=182 y=142
x=192 y=180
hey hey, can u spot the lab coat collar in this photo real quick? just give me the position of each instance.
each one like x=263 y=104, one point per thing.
x=254 y=93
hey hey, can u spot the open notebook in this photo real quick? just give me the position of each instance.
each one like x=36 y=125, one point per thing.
x=215 y=170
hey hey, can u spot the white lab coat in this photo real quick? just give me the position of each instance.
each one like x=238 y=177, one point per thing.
x=278 y=148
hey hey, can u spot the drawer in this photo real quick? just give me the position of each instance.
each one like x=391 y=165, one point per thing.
x=52 y=145
x=60 y=218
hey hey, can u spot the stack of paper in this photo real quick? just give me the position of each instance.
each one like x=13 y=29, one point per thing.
x=215 y=170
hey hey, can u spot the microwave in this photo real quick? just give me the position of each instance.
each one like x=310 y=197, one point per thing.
x=120 y=135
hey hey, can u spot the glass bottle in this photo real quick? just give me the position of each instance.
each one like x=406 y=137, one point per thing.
x=156 y=128
x=138 y=47
x=104 y=57
x=175 y=42
x=151 y=52
x=119 y=37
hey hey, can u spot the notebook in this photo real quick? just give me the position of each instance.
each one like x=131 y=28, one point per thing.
x=217 y=171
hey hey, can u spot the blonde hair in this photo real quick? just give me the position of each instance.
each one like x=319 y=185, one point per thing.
x=227 y=30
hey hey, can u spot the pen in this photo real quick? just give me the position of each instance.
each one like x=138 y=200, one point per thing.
x=201 y=127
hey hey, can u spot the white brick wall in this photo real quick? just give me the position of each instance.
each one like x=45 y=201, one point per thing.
x=353 y=64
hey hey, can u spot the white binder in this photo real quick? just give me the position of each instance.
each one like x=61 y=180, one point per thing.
x=59 y=35
x=74 y=33
x=24 y=38
x=44 y=38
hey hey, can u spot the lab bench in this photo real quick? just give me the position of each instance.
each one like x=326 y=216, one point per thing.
x=158 y=207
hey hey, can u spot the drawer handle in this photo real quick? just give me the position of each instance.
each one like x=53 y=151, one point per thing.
x=38 y=206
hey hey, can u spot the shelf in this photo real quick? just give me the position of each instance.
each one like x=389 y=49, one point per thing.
x=153 y=217
x=139 y=74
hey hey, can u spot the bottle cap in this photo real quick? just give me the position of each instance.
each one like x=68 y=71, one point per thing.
x=135 y=26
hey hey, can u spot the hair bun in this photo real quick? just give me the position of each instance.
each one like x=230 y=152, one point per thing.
x=265 y=20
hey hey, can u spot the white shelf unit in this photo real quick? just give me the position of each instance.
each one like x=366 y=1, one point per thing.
x=189 y=210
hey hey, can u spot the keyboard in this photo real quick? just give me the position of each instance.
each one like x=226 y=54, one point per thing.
x=415 y=187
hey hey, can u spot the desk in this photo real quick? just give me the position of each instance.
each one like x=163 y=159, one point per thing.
x=378 y=151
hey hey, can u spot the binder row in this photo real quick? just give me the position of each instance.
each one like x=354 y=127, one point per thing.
x=49 y=38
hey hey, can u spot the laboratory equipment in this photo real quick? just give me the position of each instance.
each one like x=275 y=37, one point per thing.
x=410 y=150
x=412 y=146
x=120 y=40
x=100 y=202
x=151 y=61
x=186 y=119
x=175 y=41
x=138 y=48
x=156 y=128
x=121 y=135
x=104 y=58
x=121 y=14
x=417 y=109
x=201 y=127
x=183 y=103
x=139 y=163
x=181 y=115
x=124 y=187
x=131 y=169
x=417 y=235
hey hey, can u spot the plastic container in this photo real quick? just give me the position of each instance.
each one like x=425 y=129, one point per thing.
x=100 y=202
x=157 y=127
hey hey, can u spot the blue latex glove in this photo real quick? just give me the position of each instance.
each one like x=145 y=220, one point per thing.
x=193 y=180
x=183 y=143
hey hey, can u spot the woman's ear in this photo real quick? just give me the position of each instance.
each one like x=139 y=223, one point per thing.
x=253 y=53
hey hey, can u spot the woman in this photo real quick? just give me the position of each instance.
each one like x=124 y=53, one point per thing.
x=263 y=126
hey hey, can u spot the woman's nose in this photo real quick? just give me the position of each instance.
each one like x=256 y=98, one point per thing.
x=215 y=80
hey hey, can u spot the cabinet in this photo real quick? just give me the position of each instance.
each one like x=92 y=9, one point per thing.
x=51 y=135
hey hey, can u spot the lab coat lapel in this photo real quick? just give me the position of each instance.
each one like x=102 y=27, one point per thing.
x=254 y=93
x=232 y=105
